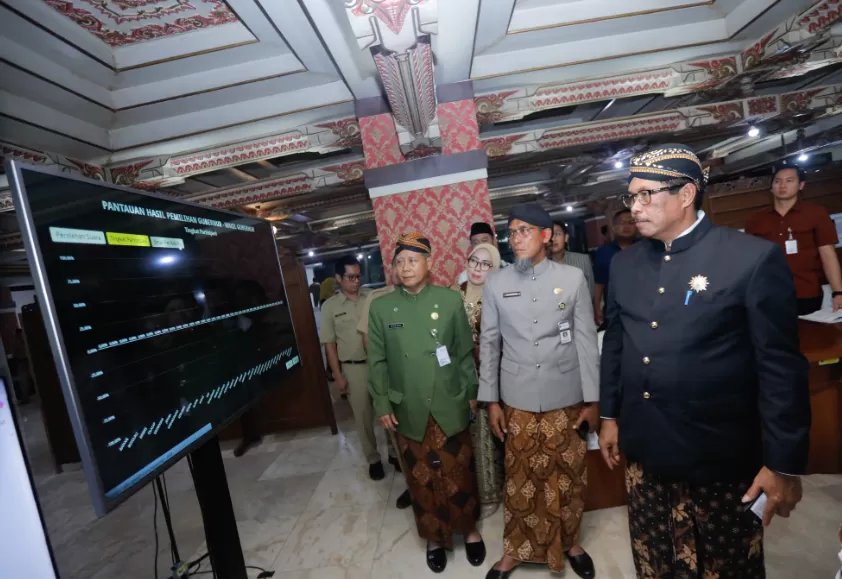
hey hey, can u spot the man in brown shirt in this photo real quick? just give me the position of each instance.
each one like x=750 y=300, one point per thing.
x=807 y=235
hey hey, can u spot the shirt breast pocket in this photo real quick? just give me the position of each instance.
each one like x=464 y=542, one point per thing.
x=805 y=238
x=344 y=322
x=707 y=298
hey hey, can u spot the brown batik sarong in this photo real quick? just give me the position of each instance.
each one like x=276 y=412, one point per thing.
x=545 y=482
x=687 y=531
x=442 y=483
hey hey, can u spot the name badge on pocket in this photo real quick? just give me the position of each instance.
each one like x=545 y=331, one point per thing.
x=563 y=326
x=566 y=337
x=791 y=246
x=442 y=356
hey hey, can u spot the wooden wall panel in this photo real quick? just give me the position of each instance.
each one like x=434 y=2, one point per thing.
x=302 y=400
x=60 y=438
x=733 y=208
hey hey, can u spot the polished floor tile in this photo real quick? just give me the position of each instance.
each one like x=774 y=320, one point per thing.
x=335 y=537
x=349 y=487
x=306 y=508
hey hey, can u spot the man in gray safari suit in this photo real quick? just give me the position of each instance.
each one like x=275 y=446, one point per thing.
x=539 y=357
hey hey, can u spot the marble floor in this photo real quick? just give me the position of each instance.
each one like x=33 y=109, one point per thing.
x=306 y=509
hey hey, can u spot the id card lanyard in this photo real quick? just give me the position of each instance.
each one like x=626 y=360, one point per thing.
x=441 y=351
x=564 y=326
x=791 y=244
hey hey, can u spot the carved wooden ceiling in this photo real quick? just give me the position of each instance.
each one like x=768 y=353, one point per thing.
x=248 y=104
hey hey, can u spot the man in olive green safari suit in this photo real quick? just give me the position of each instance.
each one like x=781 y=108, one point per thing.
x=423 y=385
x=410 y=383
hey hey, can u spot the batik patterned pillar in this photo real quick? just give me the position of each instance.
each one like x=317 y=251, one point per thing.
x=440 y=196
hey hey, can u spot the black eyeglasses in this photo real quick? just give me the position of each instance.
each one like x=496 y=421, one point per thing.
x=351 y=277
x=480 y=265
x=645 y=196
x=520 y=232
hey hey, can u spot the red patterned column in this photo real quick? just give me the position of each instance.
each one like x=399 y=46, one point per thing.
x=380 y=141
x=440 y=196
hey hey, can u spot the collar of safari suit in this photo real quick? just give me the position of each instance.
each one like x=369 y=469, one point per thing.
x=540 y=268
x=409 y=296
x=685 y=241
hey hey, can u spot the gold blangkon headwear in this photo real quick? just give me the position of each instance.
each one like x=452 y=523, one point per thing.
x=669 y=162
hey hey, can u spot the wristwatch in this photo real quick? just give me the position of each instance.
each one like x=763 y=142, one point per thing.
x=835 y=294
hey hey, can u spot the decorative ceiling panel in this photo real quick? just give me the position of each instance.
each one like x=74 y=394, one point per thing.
x=125 y=22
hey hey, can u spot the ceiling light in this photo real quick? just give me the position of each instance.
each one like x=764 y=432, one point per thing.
x=753 y=131
x=803 y=157
x=310 y=253
x=368 y=257
x=569 y=208
x=618 y=164
x=274 y=229
x=359 y=256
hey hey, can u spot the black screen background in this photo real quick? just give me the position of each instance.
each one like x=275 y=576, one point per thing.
x=128 y=291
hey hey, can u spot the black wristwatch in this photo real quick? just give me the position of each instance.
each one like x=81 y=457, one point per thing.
x=835 y=294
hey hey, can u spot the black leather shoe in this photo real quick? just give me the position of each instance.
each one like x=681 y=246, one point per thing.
x=395 y=463
x=497 y=574
x=436 y=559
x=404 y=501
x=582 y=565
x=375 y=471
x=475 y=553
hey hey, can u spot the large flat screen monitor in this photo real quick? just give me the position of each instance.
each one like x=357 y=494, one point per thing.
x=166 y=319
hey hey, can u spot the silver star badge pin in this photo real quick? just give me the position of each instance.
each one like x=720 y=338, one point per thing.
x=698 y=283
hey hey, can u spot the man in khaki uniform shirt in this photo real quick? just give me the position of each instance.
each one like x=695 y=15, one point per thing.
x=362 y=326
x=346 y=355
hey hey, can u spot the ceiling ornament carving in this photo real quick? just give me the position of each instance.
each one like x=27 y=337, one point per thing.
x=242 y=195
x=383 y=22
x=392 y=13
x=420 y=151
x=797 y=46
x=124 y=22
x=300 y=182
x=347 y=132
x=122 y=11
x=409 y=84
x=821 y=16
x=347 y=172
x=825 y=100
x=238 y=154
x=10 y=152
x=323 y=137
x=489 y=106
x=501 y=146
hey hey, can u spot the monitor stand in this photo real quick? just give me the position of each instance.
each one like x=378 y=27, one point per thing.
x=223 y=540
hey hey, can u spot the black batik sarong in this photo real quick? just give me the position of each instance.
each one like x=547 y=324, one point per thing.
x=686 y=531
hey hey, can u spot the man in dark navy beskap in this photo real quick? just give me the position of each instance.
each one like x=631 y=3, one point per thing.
x=702 y=385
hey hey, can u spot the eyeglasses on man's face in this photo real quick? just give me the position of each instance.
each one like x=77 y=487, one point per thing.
x=474 y=263
x=411 y=261
x=644 y=197
x=351 y=276
x=521 y=232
